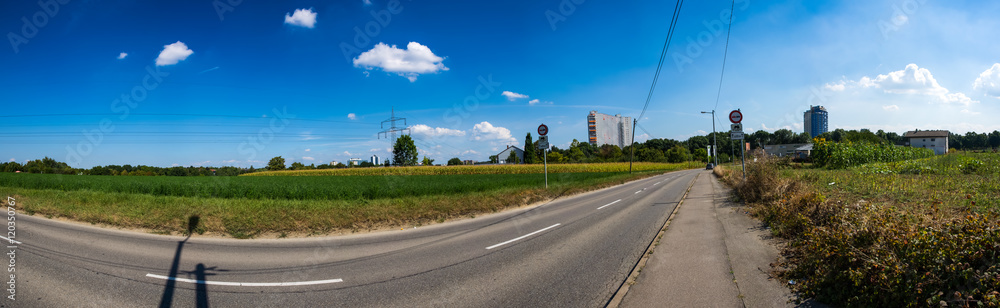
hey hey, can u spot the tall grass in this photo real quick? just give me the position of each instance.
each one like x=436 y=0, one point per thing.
x=486 y=169
x=861 y=247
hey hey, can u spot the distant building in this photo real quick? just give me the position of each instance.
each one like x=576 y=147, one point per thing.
x=936 y=140
x=782 y=150
x=354 y=162
x=609 y=129
x=815 y=121
x=503 y=155
x=375 y=160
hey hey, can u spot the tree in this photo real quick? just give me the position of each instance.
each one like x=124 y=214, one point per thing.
x=298 y=166
x=494 y=159
x=529 y=150
x=610 y=152
x=512 y=158
x=701 y=155
x=678 y=154
x=556 y=158
x=404 y=152
x=455 y=162
x=276 y=163
x=427 y=161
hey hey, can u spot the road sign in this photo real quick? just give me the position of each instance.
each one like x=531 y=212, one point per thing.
x=736 y=135
x=543 y=142
x=736 y=116
x=543 y=130
x=736 y=127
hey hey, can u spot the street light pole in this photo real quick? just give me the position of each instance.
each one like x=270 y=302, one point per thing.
x=715 y=139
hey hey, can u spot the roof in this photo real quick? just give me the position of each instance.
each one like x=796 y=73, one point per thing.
x=807 y=147
x=926 y=133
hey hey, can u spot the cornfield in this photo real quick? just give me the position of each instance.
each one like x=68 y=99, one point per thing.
x=840 y=155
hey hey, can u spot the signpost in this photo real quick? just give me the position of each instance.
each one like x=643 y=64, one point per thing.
x=736 y=133
x=543 y=144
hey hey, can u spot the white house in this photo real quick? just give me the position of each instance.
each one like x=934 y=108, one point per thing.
x=936 y=140
x=503 y=155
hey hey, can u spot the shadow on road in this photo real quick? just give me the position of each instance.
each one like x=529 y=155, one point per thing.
x=202 y=290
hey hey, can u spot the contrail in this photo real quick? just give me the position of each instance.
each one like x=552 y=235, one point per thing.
x=208 y=70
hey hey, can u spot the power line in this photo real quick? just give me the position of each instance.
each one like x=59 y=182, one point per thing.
x=663 y=55
x=725 y=54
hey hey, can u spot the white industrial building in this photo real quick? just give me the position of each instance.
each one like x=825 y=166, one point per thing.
x=609 y=129
x=936 y=140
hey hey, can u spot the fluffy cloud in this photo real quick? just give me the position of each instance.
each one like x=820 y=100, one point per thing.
x=487 y=132
x=890 y=108
x=416 y=59
x=305 y=18
x=308 y=158
x=352 y=116
x=989 y=81
x=433 y=132
x=122 y=55
x=912 y=80
x=513 y=96
x=173 y=53
x=536 y=102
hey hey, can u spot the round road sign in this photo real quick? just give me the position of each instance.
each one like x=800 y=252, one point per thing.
x=736 y=116
x=543 y=130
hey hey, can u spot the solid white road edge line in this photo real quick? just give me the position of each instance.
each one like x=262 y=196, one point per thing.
x=522 y=237
x=606 y=205
x=10 y=240
x=247 y=284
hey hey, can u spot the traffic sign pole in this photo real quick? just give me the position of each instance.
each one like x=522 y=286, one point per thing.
x=542 y=131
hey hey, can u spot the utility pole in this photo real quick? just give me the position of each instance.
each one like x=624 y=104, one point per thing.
x=631 y=156
x=393 y=129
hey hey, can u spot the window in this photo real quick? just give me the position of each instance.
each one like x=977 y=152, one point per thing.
x=932 y=139
x=924 y=140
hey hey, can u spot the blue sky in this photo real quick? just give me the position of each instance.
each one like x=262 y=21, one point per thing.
x=210 y=83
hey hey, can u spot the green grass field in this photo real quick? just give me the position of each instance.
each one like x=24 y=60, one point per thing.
x=281 y=203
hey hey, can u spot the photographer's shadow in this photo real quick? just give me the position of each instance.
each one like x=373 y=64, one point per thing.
x=200 y=273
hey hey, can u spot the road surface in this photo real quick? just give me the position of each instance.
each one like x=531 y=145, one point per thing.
x=572 y=252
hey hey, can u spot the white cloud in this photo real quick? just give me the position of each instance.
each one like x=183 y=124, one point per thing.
x=174 y=165
x=890 y=108
x=13 y=159
x=367 y=2
x=308 y=150
x=835 y=86
x=352 y=116
x=348 y=153
x=487 y=132
x=307 y=158
x=966 y=111
x=301 y=17
x=513 y=96
x=122 y=55
x=416 y=59
x=989 y=81
x=173 y=53
x=537 y=102
x=434 y=132
x=472 y=152
x=913 y=80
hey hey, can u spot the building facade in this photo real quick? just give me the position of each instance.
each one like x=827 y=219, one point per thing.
x=374 y=160
x=609 y=129
x=815 y=121
x=503 y=155
x=936 y=140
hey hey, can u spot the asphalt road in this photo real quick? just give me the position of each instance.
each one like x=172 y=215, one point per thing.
x=572 y=252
